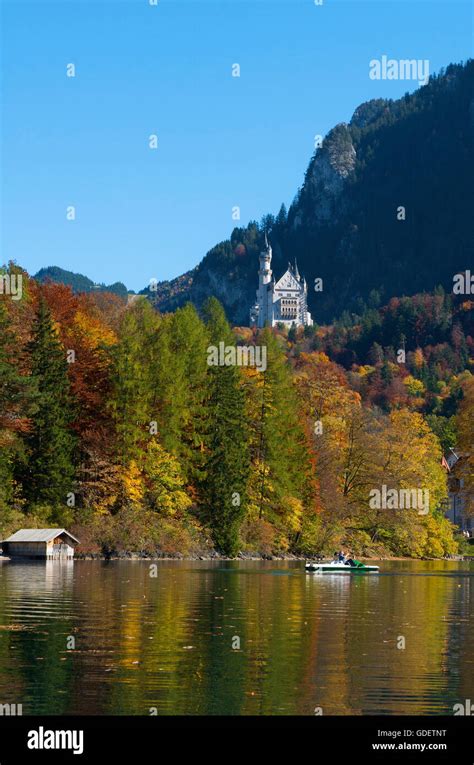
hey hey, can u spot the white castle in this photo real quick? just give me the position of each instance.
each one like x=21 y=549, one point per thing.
x=283 y=302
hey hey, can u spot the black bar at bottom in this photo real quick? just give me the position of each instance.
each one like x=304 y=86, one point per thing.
x=340 y=739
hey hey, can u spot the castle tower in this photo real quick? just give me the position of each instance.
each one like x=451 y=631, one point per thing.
x=296 y=272
x=264 y=293
x=265 y=272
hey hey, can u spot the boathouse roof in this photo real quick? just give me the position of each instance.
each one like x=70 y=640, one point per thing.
x=38 y=535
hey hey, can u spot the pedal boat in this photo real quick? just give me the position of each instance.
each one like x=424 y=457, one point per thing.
x=334 y=567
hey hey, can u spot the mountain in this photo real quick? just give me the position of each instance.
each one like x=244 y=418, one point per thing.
x=385 y=208
x=168 y=295
x=78 y=282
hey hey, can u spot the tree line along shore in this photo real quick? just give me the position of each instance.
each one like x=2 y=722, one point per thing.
x=115 y=424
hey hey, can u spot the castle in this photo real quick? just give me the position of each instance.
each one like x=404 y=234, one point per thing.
x=283 y=302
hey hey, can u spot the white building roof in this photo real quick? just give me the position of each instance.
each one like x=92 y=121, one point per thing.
x=288 y=282
x=38 y=535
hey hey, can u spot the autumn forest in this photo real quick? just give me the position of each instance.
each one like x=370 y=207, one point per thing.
x=113 y=424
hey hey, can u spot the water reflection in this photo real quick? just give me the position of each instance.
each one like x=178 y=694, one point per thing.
x=306 y=641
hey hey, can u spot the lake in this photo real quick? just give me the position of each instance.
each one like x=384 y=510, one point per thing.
x=239 y=638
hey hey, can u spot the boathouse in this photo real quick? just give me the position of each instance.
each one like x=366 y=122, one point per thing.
x=40 y=543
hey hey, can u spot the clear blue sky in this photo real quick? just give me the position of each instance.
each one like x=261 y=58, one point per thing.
x=223 y=141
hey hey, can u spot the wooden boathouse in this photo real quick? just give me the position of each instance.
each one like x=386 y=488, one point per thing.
x=40 y=543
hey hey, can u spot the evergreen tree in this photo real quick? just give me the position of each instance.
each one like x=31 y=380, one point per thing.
x=227 y=463
x=292 y=334
x=282 y=216
x=49 y=473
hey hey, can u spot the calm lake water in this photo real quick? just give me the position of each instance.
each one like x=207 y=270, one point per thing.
x=306 y=641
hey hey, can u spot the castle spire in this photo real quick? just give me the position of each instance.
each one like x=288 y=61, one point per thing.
x=296 y=271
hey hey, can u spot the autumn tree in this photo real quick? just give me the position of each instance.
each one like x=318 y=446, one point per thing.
x=465 y=427
x=89 y=339
x=132 y=400
x=277 y=445
x=17 y=404
x=164 y=483
x=180 y=382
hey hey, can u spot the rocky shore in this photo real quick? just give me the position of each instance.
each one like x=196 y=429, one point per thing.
x=244 y=556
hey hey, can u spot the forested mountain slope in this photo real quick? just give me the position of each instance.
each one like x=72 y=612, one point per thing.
x=345 y=224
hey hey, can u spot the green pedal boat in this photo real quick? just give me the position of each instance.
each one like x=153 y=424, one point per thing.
x=335 y=567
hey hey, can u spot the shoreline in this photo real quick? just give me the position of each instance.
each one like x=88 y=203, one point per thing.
x=242 y=557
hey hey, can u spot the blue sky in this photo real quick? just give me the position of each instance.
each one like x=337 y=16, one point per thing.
x=222 y=141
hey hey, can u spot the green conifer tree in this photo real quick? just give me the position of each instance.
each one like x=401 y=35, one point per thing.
x=49 y=472
x=227 y=463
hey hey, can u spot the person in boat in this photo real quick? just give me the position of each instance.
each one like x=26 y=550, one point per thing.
x=342 y=558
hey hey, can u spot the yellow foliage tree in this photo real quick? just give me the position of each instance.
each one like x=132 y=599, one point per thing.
x=414 y=387
x=164 y=482
x=132 y=481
